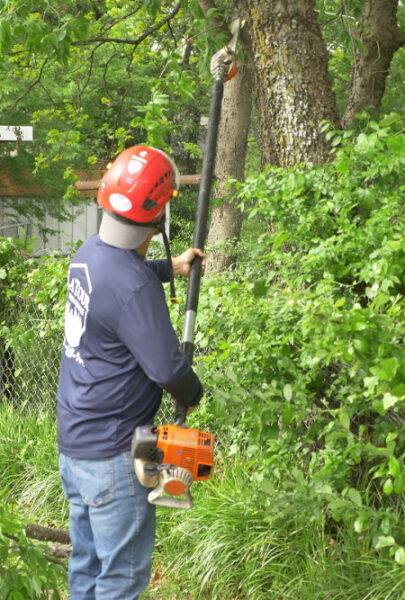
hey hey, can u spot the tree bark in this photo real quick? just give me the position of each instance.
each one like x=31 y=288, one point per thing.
x=380 y=37
x=226 y=218
x=293 y=90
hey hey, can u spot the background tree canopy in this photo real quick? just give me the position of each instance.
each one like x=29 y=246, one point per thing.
x=94 y=77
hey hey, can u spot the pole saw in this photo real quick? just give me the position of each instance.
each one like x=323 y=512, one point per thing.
x=168 y=458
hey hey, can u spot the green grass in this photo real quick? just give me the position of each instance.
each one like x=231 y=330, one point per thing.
x=29 y=465
x=230 y=546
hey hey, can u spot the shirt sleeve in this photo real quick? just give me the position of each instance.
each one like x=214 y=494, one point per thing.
x=160 y=268
x=146 y=330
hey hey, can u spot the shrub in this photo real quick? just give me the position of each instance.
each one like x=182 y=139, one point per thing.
x=303 y=359
x=25 y=571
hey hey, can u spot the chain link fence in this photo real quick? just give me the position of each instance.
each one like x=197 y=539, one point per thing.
x=30 y=356
x=31 y=338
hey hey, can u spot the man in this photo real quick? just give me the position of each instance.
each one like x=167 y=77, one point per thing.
x=120 y=351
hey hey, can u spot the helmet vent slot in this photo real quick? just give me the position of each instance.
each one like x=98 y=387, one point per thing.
x=161 y=181
x=148 y=204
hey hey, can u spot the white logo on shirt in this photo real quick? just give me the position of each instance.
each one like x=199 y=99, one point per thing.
x=77 y=308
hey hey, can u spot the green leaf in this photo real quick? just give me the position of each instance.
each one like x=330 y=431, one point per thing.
x=384 y=542
x=260 y=288
x=287 y=392
x=360 y=523
x=5 y=35
x=323 y=488
x=340 y=302
x=267 y=486
x=378 y=407
x=385 y=525
x=389 y=401
x=279 y=238
x=298 y=475
x=399 y=484
x=344 y=419
x=81 y=27
x=388 y=487
x=354 y=496
x=371 y=382
x=387 y=368
x=400 y=555
x=3 y=273
x=152 y=6
x=394 y=468
x=288 y=414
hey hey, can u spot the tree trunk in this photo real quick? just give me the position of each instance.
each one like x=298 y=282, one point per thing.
x=293 y=89
x=226 y=219
x=380 y=37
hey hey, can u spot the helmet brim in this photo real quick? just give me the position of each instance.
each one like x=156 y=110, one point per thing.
x=125 y=235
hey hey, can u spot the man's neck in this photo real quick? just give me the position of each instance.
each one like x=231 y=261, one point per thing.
x=143 y=248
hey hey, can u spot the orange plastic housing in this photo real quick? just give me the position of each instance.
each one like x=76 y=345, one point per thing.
x=188 y=448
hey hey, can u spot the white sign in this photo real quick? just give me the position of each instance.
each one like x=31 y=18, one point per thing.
x=13 y=133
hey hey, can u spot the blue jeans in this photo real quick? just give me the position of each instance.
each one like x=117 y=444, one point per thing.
x=112 y=528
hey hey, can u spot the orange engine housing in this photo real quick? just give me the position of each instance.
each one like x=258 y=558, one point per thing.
x=188 y=448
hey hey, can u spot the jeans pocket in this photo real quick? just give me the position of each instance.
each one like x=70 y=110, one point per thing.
x=94 y=479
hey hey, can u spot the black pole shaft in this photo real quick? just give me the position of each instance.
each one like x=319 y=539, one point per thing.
x=208 y=166
x=201 y=221
x=200 y=231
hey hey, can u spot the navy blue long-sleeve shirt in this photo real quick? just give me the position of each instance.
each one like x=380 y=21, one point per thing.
x=120 y=351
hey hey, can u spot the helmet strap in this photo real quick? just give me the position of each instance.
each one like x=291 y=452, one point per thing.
x=161 y=228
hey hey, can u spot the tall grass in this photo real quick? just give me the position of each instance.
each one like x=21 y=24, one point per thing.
x=231 y=547
x=29 y=464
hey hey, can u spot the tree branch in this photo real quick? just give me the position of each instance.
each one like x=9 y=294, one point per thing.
x=380 y=37
x=54 y=554
x=147 y=33
x=109 y=25
x=47 y=534
x=58 y=551
x=32 y=85
x=56 y=561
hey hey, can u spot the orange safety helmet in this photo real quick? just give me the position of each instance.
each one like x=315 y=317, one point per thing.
x=139 y=184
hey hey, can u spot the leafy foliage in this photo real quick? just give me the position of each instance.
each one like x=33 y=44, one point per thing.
x=302 y=350
x=25 y=572
x=93 y=79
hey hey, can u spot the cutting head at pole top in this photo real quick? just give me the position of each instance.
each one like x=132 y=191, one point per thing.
x=224 y=62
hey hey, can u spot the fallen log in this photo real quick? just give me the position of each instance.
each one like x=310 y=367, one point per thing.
x=47 y=534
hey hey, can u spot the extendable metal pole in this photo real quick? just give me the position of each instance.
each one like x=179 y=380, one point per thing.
x=200 y=231
x=220 y=66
